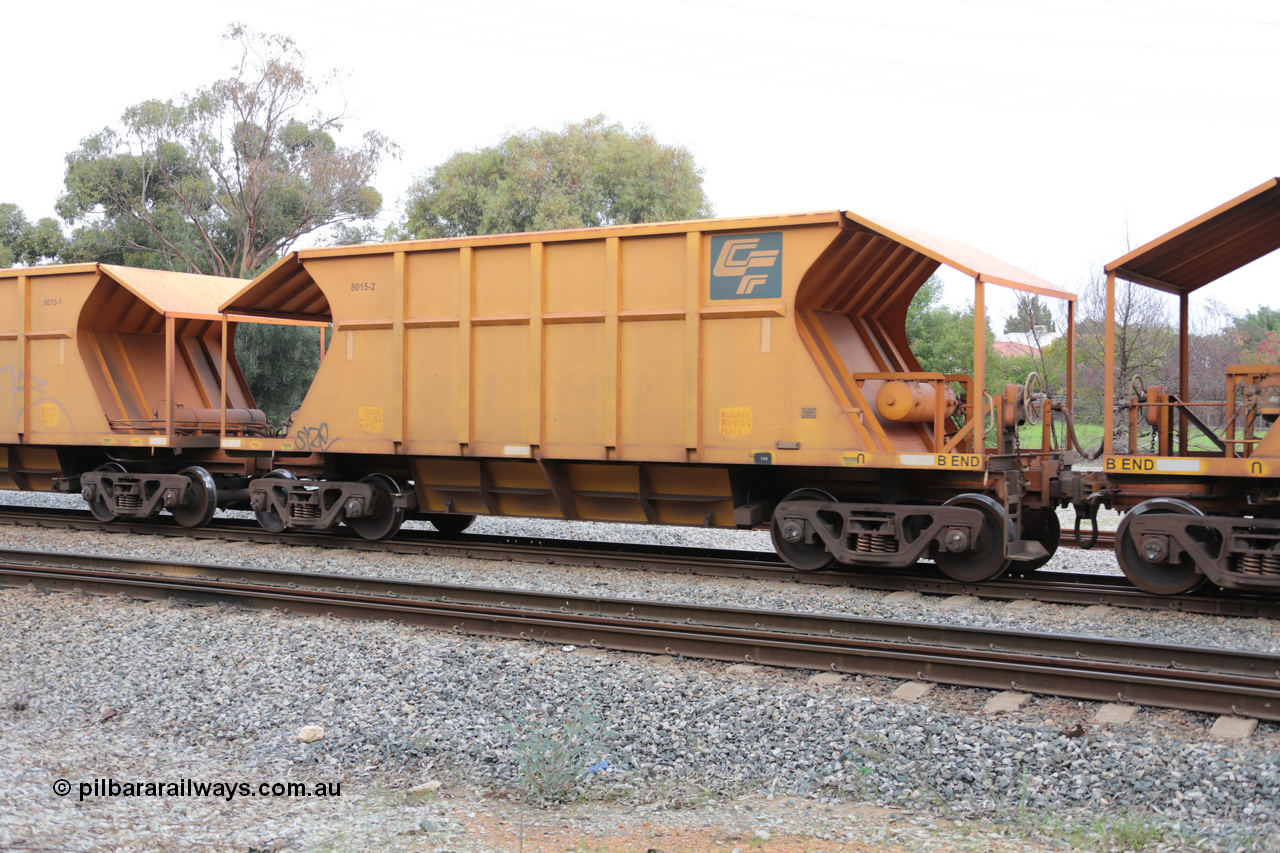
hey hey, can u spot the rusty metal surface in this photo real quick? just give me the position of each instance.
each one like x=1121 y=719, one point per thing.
x=1208 y=247
x=1203 y=680
x=105 y=355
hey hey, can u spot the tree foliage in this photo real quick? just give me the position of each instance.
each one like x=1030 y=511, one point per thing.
x=278 y=363
x=25 y=242
x=1033 y=320
x=588 y=174
x=223 y=180
x=941 y=337
x=1029 y=312
x=1146 y=343
x=1258 y=333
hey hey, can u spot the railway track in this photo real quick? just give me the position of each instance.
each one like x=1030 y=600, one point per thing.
x=1203 y=680
x=1048 y=587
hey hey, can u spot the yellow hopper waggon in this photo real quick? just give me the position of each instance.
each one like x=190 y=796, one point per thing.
x=116 y=390
x=1203 y=502
x=724 y=372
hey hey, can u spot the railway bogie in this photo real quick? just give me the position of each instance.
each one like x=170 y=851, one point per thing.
x=374 y=506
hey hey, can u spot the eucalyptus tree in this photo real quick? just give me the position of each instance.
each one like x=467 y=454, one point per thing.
x=587 y=174
x=225 y=179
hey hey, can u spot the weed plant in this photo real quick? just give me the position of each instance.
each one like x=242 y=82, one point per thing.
x=555 y=750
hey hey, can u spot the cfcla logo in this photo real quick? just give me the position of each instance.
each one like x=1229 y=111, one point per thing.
x=737 y=257
x=747 y=267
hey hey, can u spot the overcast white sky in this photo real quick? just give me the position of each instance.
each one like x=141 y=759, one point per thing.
x=1054 y=134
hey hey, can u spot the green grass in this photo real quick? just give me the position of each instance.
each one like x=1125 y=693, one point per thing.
x=1090 y=437
x=1118 y=832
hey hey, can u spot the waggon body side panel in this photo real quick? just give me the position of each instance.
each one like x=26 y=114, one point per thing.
x=49 y=398
x=708 y=342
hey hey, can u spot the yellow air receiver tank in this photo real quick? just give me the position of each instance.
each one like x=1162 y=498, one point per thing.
x=912 y=402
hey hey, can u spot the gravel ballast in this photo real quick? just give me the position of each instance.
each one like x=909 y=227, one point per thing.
x=102 y=688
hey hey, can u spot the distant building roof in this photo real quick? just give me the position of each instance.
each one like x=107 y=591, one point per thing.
x=1008 y=348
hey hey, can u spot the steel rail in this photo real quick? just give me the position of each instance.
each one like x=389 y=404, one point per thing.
x=1048 y=587
x=1195 y=679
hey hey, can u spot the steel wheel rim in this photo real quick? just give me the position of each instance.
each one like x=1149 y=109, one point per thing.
x=1156 y=578
x=985 y=561
x=204 y=503
x=268 y=519
x=387 y=518
x=798 y=555
x=100 y=507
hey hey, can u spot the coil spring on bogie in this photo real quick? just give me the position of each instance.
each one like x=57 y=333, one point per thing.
x=128 y=501
x=304 y=510
x=874 y=543
x=1258 y=565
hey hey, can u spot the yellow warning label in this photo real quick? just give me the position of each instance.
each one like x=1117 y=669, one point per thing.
x=735 y=422
x=49 y=414
x=1152 y=464
x=955 y=461
x=371 y=418
x=962 y=461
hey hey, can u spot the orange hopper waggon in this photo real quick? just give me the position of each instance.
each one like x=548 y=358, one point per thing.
x=725 y=373
x=116 y=390
x=1204 y=502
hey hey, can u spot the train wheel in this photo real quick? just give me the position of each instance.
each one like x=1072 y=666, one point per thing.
x=383 y=519
x=985 y=558
x=1158 y=578
x=268 y=518
x=1042 y=527
x=202 y=499
x=100 y=504
x=450 y=524
x=800 y=555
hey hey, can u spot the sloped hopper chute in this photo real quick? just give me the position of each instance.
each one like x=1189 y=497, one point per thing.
x=851 y=309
